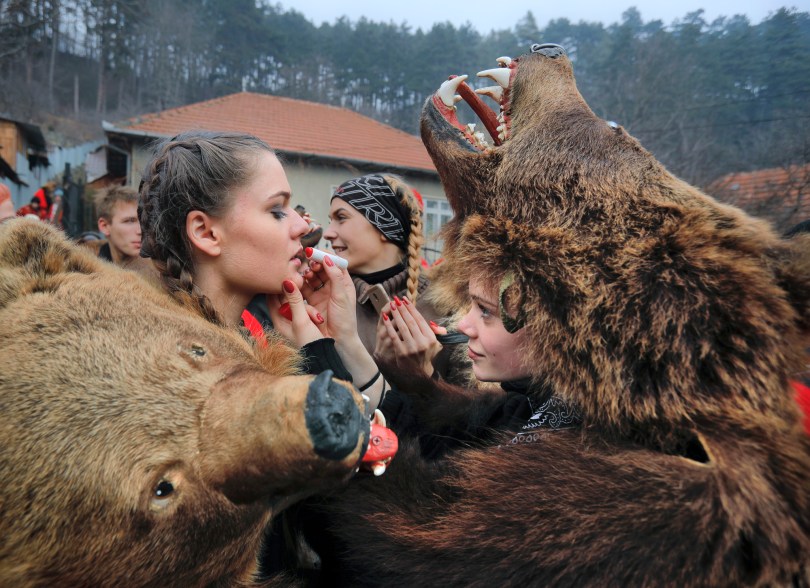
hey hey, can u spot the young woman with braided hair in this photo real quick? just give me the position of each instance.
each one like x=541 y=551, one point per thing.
x=216 y=221
x=376 y=225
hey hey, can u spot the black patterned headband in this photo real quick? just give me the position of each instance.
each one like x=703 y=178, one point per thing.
x=372 y=196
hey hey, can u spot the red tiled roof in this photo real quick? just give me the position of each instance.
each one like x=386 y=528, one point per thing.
x=781 y=195
x=291 y=125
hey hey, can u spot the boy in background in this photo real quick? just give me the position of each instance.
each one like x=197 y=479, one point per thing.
x=117 y=209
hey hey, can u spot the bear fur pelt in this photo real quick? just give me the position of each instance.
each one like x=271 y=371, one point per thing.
x=142 y=445
x=671 y=321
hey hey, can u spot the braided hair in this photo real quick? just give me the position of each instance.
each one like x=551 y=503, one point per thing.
x=194 y=170
x=416 y=238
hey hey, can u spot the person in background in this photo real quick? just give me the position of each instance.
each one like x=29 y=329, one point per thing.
x=117 y=211
x=375 y=223
x=45 y=198
x=32 y=209
x=6 y=205
x=58 y=207
x=313 y=237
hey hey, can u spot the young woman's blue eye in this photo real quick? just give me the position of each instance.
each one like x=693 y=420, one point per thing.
x=484 y=311
x=278 y=213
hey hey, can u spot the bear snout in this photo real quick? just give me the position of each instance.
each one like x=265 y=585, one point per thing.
x=333 y=420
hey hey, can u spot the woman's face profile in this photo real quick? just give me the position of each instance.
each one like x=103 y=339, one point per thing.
x=497 y=354
x=261 y=233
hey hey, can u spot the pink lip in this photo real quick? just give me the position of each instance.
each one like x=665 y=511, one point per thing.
x=473 y=355
x=296 y=262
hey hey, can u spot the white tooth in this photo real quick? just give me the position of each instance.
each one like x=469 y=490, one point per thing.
x=379 y=417
x=482 y=140
x=500 y=128
x=471 y=128
x=457 y=99
x=494 y=92
x=378 y=468
x=499 y=74
x=500 y=117
x=448 y=88
x=504 y=61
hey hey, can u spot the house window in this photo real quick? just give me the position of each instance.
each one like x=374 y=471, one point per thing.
x=437 y=214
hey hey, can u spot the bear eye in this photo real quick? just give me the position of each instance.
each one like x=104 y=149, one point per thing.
x=198 y=350
x=164 y=489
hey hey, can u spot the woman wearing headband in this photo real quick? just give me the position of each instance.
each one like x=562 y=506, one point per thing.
x=376 y=225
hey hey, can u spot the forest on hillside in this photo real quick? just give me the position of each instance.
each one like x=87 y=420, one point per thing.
x=707 y=98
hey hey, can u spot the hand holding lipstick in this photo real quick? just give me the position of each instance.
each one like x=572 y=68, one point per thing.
x=318 y=255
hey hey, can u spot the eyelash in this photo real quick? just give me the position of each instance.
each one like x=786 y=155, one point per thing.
x=484 y=312
x=278 y=214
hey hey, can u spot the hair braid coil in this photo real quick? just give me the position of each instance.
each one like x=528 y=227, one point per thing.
x=416 y=237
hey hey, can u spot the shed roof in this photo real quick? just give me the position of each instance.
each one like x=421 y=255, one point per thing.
x=782 y=195
x=290 y=125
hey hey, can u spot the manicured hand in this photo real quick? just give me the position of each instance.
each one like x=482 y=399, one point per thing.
x=403 y=335
x=294 y=318
x=331 y=291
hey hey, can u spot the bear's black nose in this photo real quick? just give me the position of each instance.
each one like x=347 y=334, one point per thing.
x=333 y=420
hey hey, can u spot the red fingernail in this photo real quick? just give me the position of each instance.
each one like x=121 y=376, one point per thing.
x=286 y=311
x=385 y=317
x=289 y=287
x=319 y=317
x=397 y=300
x=393 y=306
x=405 y=301
x=328 y=260
x=308 y=251
x=432 y=324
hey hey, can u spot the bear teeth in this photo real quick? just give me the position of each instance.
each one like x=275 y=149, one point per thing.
x=481 y=140
x=494 y=92
x=447 y=91
x=498 y=74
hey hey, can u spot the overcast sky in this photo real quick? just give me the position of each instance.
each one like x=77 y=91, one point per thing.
x=503 y=14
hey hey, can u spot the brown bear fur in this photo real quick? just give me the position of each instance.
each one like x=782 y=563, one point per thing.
x=671 y=321
x=108 y=390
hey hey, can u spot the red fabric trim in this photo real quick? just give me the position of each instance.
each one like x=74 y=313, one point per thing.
x=803 y=398
x=253 y=325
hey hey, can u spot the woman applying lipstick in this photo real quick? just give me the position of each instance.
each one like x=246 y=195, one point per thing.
x=375 y=224
x=216 y=221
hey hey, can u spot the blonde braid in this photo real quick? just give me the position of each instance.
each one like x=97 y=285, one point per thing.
x=416 y=238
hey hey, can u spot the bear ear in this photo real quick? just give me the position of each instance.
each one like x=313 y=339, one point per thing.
x=32 y=253
x=793 y=275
